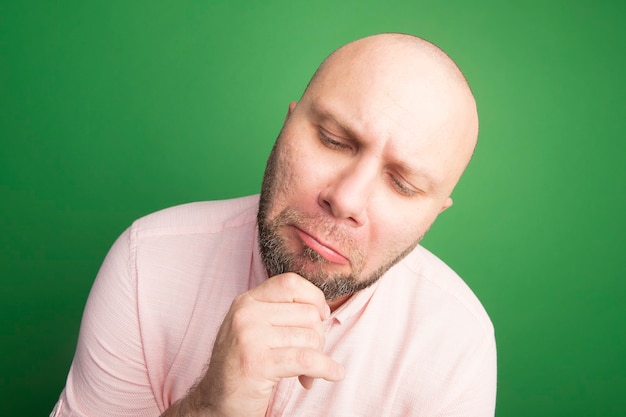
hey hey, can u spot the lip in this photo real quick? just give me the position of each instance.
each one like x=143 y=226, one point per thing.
x=326 y=251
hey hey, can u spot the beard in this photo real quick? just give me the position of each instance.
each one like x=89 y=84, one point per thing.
x=278 y=258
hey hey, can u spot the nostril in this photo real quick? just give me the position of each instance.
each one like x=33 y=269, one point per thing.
x=346 y=207
x=324 y=202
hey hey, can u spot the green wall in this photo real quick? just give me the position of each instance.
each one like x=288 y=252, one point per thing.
x=111 y=110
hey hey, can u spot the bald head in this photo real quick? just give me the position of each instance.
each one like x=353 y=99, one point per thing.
x=411 y=44
x=411 y=81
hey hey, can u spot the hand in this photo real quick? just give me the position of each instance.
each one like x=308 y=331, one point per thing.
x=271 y=332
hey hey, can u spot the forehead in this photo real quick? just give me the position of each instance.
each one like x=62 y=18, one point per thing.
x=395 y=100
x=406 y=108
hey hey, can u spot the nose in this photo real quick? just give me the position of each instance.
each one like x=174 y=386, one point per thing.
x=348 y=193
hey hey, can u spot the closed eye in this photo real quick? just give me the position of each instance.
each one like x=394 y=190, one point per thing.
x=402 y=187
x=332 y=143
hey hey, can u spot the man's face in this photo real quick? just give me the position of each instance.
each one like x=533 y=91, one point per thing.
x=355 y=179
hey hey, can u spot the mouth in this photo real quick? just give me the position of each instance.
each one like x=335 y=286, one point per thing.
x=323 y=249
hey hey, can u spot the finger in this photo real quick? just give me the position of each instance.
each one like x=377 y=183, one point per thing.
x=290 y=314
x=290 y=362
x=276 y=325
x=297 y=337
x=247 y=313
x=291 y=288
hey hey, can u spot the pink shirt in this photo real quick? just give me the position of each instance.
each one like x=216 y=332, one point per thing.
x=417 y=343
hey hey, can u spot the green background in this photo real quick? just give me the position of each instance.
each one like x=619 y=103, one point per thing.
x=112 y=110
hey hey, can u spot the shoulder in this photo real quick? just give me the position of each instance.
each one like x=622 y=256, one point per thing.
x=206 y=217
x=182 y=243
x=428 y=281
x=434 y=343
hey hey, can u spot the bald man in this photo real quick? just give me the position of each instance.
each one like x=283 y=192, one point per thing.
x=314 y=299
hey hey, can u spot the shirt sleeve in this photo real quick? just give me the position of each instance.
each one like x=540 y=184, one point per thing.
x=108 y=376
x=474 y=393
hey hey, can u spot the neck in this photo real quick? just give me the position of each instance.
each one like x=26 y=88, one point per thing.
x=335 y=303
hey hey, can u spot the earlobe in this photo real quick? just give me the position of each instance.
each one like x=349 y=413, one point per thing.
x=446 y=204
x=292 y=106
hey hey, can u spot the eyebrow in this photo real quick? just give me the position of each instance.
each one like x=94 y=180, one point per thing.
x=322 y=113
x=423 y=177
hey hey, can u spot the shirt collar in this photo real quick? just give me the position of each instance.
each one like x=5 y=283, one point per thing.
x=354 y=305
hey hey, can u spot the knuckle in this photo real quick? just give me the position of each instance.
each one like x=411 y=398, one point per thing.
x=289 y=281
x=239 y=301
x=240 y=318
x=305 y=358
x=314 y=340
x=237 y=318
x=242 y=338
x=311 y=313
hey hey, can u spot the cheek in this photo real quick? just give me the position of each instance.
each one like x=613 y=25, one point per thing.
x=294 y=177
x=391 y=235
x=393 y=238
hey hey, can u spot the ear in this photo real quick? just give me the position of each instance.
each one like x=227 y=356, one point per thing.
x=446 y=204
x=292 y=106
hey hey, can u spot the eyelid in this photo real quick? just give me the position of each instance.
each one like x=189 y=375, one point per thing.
x=402 y=187
x=405 y=187
x=329 y=139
